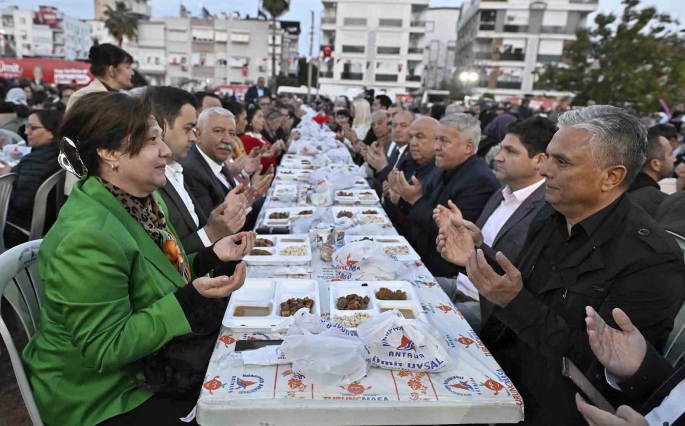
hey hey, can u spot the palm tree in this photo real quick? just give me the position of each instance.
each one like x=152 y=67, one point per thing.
x=121 y=22
x=276 y=8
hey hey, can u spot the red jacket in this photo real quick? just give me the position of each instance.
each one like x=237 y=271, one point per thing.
x=253 y=140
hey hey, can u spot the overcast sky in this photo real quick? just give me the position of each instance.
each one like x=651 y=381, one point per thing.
x=300 y=10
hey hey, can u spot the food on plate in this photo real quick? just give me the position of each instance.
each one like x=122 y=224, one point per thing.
x=305 y=162
x=351 y=321
x=251 y=311
x=366 y=193
x=258 y=252
x=279 y=215
x=290 y=306
x=305 y=212
x=367 y=197
x=345 y=194
x=374 y=219
x=263 y=242
x=352 y=302
x=366 y=239
x=345 y=213
x=397 y=250
x=294 y=251
x=291 y=240
x=406 y=313
x=384 y=293
x=287 y=172
x=370 y=212
x=383 y=240
x=283 y=191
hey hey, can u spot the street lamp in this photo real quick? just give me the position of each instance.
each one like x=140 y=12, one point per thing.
x=468 y=77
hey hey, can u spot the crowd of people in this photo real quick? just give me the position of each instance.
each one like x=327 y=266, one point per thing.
x=548 y=233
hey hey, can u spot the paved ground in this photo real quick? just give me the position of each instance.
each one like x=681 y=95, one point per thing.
x=12 y=409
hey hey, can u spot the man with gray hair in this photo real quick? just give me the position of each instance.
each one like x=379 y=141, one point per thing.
x=454 y=109
x=462 y=178
x=590 y=247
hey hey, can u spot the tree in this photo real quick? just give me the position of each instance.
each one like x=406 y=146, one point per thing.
x=276 y=8
x=630 y=62
x=120 y=22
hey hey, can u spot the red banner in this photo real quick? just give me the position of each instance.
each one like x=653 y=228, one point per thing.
x=327 y=51
x=55 y=71
x=46 y=15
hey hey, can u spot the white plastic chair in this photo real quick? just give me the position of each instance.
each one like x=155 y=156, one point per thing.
x=6 y=185
x=20 y=285
x=40 y=205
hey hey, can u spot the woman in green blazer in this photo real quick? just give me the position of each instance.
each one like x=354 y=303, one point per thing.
x=117 y=284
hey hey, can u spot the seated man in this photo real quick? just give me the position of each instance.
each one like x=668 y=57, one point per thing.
x=464 y=179
x=193 y=227
x=384 y=161
x=504 y=223
x=592 y=247
x=645 y=192
x=204 y=168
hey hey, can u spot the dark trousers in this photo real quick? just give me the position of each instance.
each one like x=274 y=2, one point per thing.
x=156 y=411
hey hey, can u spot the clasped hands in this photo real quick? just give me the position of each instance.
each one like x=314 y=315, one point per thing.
x=458 y=240
x=398 y=184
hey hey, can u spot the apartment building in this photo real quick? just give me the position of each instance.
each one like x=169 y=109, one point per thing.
x=441 y=46
x=506 y=43
x=46 y=32
x=378 y=44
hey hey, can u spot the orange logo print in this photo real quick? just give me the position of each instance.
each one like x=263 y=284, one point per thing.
x=465 y=341
x=445 y=308
x=212 y=385
x=255 y=338
x=287 y=373
x=227 y=339
x=351 y=262
x=355 y=388
x=493 y=385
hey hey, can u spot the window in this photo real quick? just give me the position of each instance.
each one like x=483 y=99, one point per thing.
x=353 y=49
x=355 y=22
x=240 y=37
x=386 y=77
x=430 y=26
x=390 y=23
x=388 y=50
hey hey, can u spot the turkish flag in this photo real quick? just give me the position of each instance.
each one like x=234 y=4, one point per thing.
x=327 y=51
x=245 y=71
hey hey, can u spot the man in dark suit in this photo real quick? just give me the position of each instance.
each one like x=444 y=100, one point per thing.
x=257 y=91
x=397 y=154
x=464 y=179
x=671 y=213
x=645 y=191
x=590 y=246
x=195 y=228
x=505 y=220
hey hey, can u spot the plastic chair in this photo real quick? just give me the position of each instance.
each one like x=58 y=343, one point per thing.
x=20 y=285
x=6 y=184
x=40 y=204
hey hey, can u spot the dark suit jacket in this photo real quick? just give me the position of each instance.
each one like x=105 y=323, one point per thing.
x=470 y=186
x=251 y=95
x=646 y=193
x=382 y=176
x=630 y=262
x=671 y=213
x=203 y=184
x=510 y=238
x=181 y=220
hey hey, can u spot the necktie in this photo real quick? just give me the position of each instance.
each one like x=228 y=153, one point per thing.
x=227 y=175
x=393 y=157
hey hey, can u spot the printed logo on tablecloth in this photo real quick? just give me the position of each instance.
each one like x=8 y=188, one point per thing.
x=226 y=339
x=462 y=386
x=495 y=386
x=355 y=388
x=510 y=386
x=465 y=341
x=212 y=385
x=246 y=384
x=445 y=308
x=406 y=345
x=420 y=284
x=255 y=336
x=479 y=343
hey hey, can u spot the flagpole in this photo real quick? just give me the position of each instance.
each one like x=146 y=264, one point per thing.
x=311 y=57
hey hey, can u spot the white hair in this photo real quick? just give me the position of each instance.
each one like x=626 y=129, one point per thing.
x=380 y=112
x=205 y=114
x=616 y=137
x=454 y=109
x=464 y=123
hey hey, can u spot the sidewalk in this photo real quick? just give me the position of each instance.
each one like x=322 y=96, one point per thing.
x=12 y=410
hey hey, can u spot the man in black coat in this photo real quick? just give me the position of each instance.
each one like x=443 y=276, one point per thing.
x=590 y=247
x=195 y=229
x=645 y=191
x=464 y=179
x=257 y=91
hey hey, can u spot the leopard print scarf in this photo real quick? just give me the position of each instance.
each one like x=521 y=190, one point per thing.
x=149 y=214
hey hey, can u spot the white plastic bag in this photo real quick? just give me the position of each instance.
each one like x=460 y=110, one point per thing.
x=366 y=261
x=323 y=350
x=396 y=343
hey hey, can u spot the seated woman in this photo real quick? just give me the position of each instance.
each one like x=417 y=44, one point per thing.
x=118 y=286
x=253 y=138
x=33 y=169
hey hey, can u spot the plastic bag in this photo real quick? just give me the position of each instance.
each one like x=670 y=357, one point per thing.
x=366 y=261
x=368 y=229
x=323 y=350
x=396 y=343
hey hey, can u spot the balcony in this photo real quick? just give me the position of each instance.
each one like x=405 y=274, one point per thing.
x=509 y=85
x=550 y=58
x=516 y=28
x=418 y=24
x=326 y=74
x=553 y=30
x=487 y=26
x=391 y=23
x=352 y=76
x=384 y=50
x=328 y=20
x=415 y=78
x=508 y=56
x=355 y=22
x=415 y=51
x=386 y=77
x=484 y=55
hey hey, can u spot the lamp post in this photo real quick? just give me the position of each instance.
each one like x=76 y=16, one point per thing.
x=467 y=77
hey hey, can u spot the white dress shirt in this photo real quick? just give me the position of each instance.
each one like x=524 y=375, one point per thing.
x=511 y=202
x=216 y=168
x=174 y=173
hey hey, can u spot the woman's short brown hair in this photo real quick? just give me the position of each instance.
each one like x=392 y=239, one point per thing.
x=109 y=121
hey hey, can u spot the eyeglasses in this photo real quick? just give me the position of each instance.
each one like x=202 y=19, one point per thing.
x=31 y=127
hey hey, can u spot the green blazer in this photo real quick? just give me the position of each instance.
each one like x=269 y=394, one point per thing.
x=107 y=302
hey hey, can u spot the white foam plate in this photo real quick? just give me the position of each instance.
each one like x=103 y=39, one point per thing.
x=281 y=242
x=356 y=197
x=359 y=217
x=292 y=175
x=388 y=241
